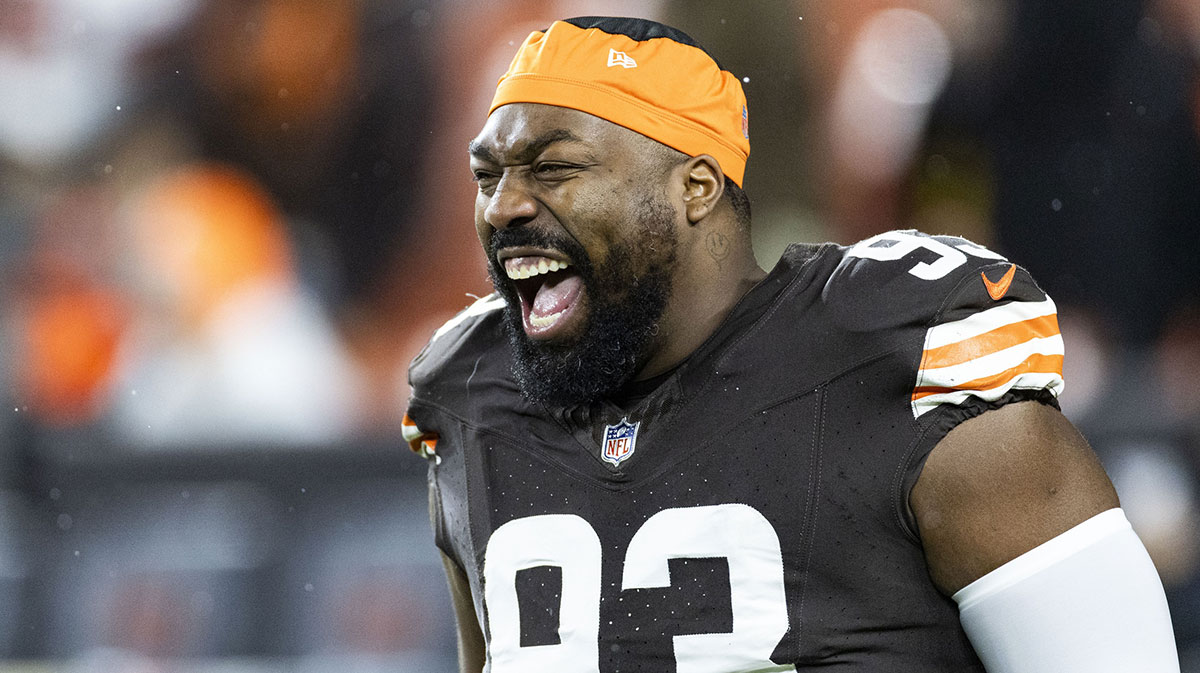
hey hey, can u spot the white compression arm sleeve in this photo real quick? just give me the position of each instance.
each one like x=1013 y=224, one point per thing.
x=1088 y=601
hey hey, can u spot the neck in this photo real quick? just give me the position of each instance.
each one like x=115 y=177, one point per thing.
x=700 y=301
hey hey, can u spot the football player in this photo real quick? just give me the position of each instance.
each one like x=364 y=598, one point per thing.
x=648 y=454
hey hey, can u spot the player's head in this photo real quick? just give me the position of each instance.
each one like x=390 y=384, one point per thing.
x=607 y=142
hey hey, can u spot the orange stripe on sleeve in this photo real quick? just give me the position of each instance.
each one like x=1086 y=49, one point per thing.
x=420 y=442
x=1034 y=363
x=990 y=342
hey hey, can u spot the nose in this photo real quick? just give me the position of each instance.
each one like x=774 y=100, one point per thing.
x=509 y=204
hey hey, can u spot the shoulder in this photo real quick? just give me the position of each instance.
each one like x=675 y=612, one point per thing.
x=986 y=329
x=911 y=278
x=463 y=372
x=475 y=334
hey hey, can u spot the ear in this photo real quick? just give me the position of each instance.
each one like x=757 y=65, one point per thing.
x=705 y=183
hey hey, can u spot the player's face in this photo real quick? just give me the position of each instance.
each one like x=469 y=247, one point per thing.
x=581 y=241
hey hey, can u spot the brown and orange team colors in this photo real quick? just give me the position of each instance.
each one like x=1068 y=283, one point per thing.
x=648 y=454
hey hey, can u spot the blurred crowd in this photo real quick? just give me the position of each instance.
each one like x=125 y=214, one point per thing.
x=226 y=226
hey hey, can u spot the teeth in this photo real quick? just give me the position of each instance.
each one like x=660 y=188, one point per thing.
x=542 y=321
x=532 y=269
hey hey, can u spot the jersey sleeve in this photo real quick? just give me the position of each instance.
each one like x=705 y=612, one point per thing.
x=982 y=329
x=983 y=335
x=996 y=334
x=452 y=379
x=434 y=364
x=967 y=330
x=422 y=443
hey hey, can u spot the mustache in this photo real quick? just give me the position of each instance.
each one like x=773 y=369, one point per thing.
x=526 y=236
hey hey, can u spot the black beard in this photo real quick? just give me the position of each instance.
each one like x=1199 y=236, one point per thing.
x=624 y=310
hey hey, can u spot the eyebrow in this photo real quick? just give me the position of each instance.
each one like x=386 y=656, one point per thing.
x=530 y=148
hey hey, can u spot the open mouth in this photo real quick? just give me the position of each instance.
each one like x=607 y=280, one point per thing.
x=550 y=291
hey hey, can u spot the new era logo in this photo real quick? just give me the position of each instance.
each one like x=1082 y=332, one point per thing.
x=620 y=58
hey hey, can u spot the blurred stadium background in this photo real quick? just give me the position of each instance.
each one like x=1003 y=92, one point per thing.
x=227 y=225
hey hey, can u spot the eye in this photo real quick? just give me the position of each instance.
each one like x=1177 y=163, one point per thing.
x=485 y=179
x=554 y=170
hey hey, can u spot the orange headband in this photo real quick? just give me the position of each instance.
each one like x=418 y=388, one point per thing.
x=663 y=89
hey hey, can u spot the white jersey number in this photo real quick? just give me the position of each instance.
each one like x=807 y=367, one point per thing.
x=736 y=532
x=893 y=245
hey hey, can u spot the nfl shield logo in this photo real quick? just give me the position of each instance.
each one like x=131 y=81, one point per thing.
x=619 y=441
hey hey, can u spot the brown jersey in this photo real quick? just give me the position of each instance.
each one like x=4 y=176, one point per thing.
x=747 y=511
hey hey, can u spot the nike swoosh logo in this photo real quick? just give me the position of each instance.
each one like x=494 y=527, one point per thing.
x=998 y=289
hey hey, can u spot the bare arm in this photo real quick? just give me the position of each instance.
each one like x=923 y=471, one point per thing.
x=1001 y=484
x=470 y=636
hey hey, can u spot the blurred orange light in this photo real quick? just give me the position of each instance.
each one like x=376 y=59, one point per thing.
x=70 y=341
x=209 y=232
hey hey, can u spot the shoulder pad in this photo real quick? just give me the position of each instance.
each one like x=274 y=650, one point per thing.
x=453 y=338
x=988 y=328
x=996 y=333
x=901 y=278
